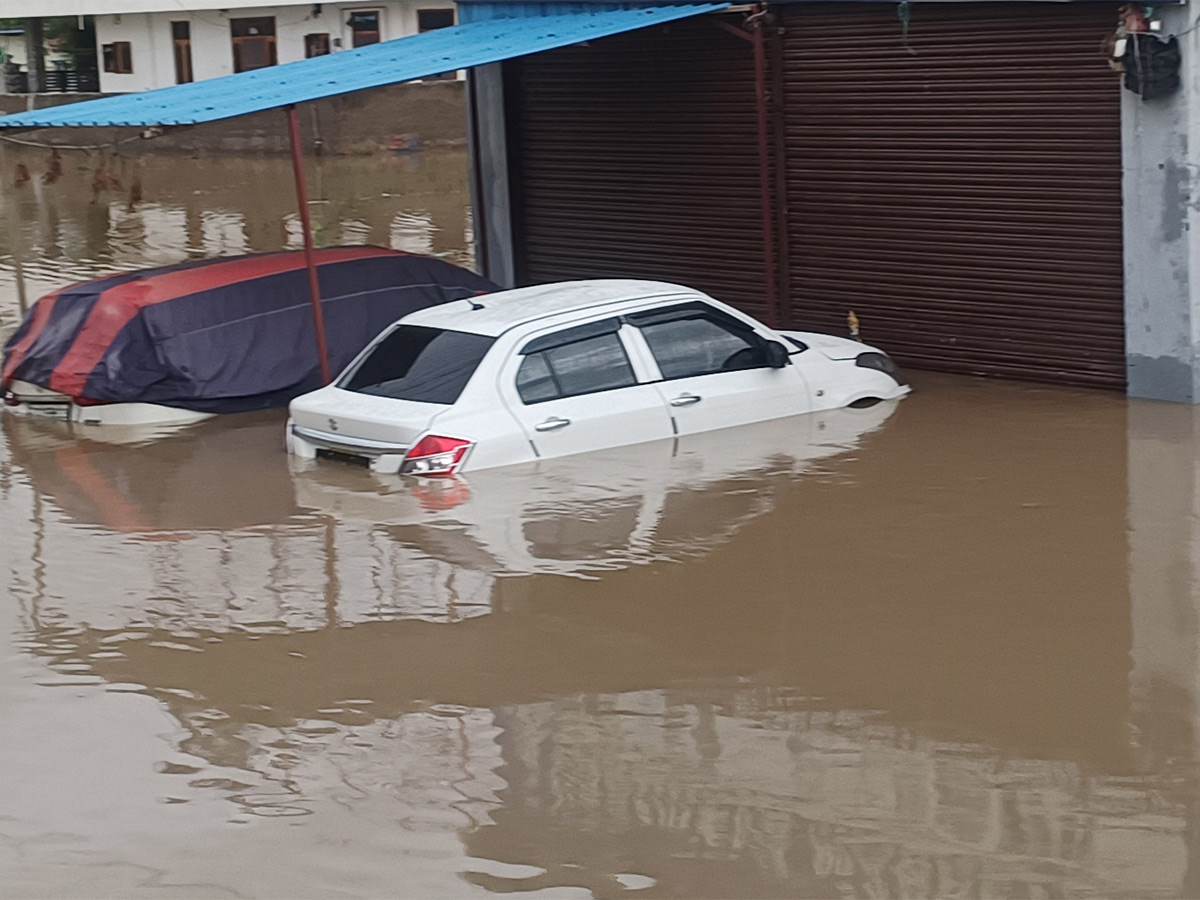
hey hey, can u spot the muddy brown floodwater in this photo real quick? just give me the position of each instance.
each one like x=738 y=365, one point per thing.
x=948 y=647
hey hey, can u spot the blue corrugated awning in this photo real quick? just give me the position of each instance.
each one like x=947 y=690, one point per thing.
x=418 y=56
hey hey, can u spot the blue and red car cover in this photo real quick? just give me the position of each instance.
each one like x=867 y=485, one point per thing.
x=221 y=335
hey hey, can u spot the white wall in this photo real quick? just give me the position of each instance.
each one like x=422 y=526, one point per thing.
x=147 y=66
x=212 y=48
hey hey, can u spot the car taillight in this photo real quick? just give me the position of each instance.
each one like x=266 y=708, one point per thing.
x=435 y=456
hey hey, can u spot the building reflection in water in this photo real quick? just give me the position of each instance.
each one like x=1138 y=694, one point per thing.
x=72 y=231
x=901 y=660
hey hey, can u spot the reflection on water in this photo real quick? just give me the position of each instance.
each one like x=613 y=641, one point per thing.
x=93 y=220
x=941 y=649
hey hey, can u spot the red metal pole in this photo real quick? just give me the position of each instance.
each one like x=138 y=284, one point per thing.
x=764 y=173
x=310 y=258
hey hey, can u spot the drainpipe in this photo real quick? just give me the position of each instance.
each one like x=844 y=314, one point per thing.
x=756 y=21
x=35 y=52
x=779 y=101
x=16 y=236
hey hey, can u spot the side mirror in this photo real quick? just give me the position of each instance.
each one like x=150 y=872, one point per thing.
x=777 y=355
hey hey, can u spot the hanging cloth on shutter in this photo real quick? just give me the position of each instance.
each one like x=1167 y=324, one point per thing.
x=1152 y=66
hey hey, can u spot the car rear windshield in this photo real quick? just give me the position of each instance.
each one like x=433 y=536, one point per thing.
x=427 y=365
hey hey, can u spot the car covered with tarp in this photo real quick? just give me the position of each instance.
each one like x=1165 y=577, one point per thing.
x=213 y=336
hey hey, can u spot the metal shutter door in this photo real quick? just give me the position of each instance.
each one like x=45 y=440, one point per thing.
x=963 y=199
x=636 y=157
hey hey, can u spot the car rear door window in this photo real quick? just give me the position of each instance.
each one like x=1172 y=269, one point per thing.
x=596 y=364
x=535 y=381
x=702 y=346
x=579 y=367
x=426 y=365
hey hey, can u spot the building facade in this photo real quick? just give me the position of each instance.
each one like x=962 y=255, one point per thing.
x=971 y=180
x=975 y=183
x=953 y=179
x=141 y=51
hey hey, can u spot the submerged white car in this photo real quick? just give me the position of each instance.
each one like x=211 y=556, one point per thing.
x=558 y=369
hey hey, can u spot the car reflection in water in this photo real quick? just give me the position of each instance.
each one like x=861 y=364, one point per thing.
x=219 y=475
x=578 y=515
x=599 y=511
x=742 y=727
x=282 y=621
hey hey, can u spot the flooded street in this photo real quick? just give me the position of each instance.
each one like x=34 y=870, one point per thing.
x=895 y=652
x=945 y=647
x=105 y=214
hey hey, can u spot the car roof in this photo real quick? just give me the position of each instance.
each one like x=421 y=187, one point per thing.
x=542 y=303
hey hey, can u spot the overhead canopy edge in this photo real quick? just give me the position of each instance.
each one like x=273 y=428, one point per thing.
x=390 y=62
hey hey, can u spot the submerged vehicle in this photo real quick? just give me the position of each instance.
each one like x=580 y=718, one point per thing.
x=179 y=343
x=559 y=369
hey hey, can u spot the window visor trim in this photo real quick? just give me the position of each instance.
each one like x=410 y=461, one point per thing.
x=694 y=309
x=691 y=310
x=571 y=336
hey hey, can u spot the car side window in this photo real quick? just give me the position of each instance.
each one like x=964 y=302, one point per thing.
x=580 y=367
x=702 y=346
x=535 y=381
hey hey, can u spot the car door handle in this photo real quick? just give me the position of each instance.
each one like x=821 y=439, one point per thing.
x=552 y=424
x=685 y=400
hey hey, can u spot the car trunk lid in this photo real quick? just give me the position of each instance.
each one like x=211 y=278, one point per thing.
x=344 y=417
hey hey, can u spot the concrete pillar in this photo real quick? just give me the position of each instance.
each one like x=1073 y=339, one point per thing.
x=35 y=52
x=1162 y=231
x=491 y=196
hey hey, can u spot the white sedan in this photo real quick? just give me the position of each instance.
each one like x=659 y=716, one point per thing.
x=558 y=369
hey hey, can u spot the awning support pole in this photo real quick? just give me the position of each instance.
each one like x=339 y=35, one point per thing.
x=14 y=225
x=310 y=253
x=764 y=168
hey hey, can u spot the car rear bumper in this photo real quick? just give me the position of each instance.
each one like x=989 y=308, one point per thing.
x=24 y=398
x=382 y=456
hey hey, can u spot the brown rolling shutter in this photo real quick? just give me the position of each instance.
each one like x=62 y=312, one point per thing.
x=961 y=193
x=636 y=157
